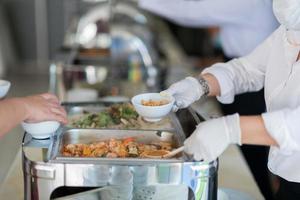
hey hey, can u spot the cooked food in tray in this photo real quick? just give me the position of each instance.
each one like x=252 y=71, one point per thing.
x=116 y=148
x=117 y=116
x=114 y=116
x=154 y=102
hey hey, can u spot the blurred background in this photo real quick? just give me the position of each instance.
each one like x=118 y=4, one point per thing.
x=33 y=31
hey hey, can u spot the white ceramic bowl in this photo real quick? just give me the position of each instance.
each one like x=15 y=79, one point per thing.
x=4 y=87
x=152 y=113
x=41 y=130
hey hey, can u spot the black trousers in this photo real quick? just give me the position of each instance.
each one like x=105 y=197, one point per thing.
x=253 y=103
x=288 y=190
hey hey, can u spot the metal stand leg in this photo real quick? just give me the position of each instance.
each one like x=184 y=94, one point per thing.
x=197 y=182
x=42 y=179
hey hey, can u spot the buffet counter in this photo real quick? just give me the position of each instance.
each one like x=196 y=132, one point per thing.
x=233 y=173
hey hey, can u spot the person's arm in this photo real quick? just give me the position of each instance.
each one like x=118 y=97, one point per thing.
x=212 y=137
x=30 y=109
x=12 y=112
x=213 y=84
x=225 y=80
x=280 y=128
x=253 y=131
x=283 y=125
x=246 y=74
x=202 y=13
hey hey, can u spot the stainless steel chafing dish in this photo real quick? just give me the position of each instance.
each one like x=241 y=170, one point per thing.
x=66 y=78
x=85 y=136
x=48 y=174
x=76 y=110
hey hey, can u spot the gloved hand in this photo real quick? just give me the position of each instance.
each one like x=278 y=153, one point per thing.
x=212 y=137
x=185 y=92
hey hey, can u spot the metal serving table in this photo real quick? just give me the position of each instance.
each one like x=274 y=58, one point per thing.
x=48 y=178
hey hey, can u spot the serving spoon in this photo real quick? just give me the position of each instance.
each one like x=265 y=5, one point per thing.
x=166 y=154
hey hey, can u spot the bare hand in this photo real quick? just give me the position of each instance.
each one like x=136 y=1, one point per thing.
x=44 y=107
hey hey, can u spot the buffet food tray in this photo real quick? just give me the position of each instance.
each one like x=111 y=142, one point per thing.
x=76 y=111
x=181 y=124
x=86 y=136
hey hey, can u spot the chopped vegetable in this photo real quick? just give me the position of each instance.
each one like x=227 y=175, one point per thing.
x=114 y=115
x=104 y=119
x=125 y=111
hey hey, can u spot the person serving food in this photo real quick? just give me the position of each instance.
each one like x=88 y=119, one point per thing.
x=275 y=65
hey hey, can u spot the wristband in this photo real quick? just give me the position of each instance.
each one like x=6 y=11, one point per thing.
x=204 y=85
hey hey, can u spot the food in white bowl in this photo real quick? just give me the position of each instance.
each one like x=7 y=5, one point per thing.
x=41 y=130
x=4 y=87
x=152 y=106
x=152 y=102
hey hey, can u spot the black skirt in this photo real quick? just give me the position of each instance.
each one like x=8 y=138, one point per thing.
x=288 y=190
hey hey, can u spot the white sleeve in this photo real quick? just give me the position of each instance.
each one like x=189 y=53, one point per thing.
x=246 y=74
x=284 y=127
x=202 y=12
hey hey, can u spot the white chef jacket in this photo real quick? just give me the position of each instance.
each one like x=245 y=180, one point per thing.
x=271 y=65
x=244 y=24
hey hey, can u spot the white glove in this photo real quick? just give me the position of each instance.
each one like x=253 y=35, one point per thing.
x=185 y=92
x=212 y=137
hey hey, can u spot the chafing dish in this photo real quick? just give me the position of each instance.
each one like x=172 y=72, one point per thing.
x=66 y=78
x=86 y=136
x=91 y=29
x=76 y=111
x=50 y=173
x=119 y=32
